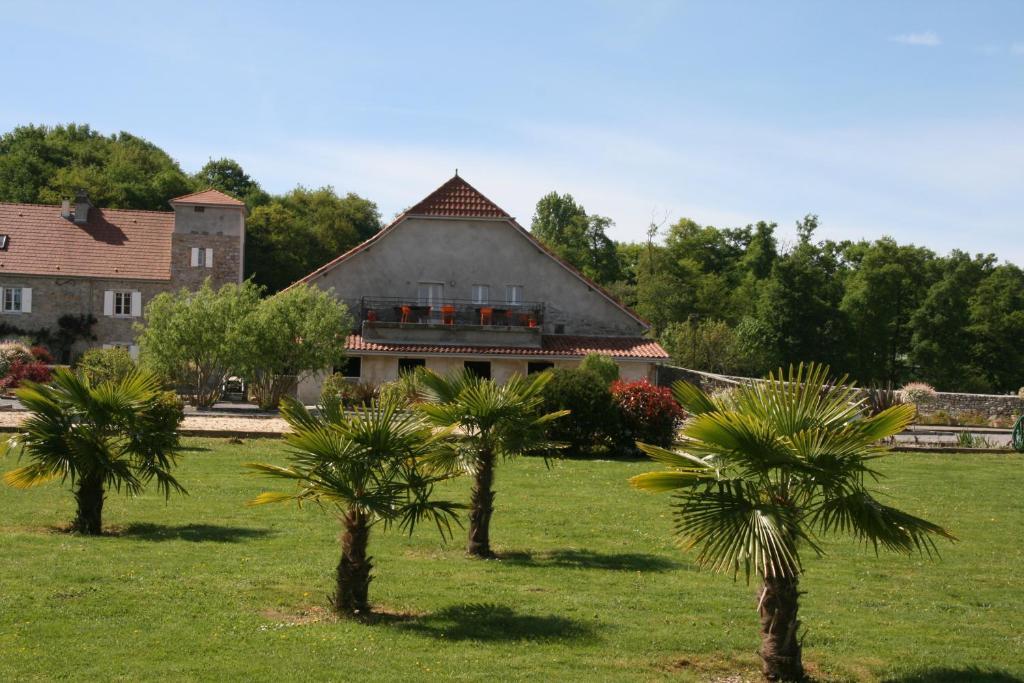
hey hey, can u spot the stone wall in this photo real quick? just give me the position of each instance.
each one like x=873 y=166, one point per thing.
x=994 y=408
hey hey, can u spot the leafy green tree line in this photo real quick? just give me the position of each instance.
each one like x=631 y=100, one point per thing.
x=731 y=300
x=289 y=235
x=734 y=300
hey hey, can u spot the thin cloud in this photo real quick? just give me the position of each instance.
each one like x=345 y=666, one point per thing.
x=924 y=39
x=1017 y=49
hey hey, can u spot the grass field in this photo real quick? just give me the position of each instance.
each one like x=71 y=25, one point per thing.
x=589 y=586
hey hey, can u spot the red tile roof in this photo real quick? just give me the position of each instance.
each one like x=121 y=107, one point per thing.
x=210 y=197
x=115 y=243
x=566 y=346
x=457 y=198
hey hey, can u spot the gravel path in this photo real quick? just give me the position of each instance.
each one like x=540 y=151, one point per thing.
x=193 y=424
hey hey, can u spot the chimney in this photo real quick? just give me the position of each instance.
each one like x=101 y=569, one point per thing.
x=82 y=206
x=65 y=209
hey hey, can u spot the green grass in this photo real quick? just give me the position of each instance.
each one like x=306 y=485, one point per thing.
x=590 y=587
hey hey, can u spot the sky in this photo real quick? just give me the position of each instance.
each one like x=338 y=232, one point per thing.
x=884 y=118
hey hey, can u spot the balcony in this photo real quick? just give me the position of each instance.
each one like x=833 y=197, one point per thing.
x=451 y=322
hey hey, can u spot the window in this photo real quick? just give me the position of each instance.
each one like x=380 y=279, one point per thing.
x=3 y=241
x=199 y=209
x=480 y=368
x=12 y=299
x=410 y=364
x=122 y=303
x=352 y=367
x=202 y=258
x=481 y=294
x=430 y=293
x=514 y=295
x=538 y=366
x=560 y=328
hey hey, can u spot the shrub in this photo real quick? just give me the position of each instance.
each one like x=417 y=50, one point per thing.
x=42 y=354
x=105 y=365
x=338 y=388
x=405 y=390
x=19 y=371
x=602 y=366
x=913 y=392
x=647 y=413
x=879 y=398
x=593 y=417
x=12 y=352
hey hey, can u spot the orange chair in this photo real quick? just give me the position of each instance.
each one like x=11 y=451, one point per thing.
x=447 y=315
x=406 y=312
x=486 y=316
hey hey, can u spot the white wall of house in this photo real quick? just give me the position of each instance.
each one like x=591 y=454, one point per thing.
x=379 y=369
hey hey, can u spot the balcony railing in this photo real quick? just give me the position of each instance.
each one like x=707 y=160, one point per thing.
x=452 y=312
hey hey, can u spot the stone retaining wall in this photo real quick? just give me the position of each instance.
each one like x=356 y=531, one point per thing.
x=991 y=407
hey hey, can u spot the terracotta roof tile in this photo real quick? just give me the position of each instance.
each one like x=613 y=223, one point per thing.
x=114 y=243
x=567 y=346
x=210 y=197
x=457 y=198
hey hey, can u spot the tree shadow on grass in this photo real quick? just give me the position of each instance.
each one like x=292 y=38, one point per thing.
x=588 y=559
x=194 y=449
x=496 y=623
x=196 y=533
x=970 y=674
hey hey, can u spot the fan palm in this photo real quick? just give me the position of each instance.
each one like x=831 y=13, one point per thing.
x=375 y=466
x=760 y=475
x=114 y=434
x=494 y=421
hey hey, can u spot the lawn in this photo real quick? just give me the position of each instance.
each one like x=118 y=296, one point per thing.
x=589 y=586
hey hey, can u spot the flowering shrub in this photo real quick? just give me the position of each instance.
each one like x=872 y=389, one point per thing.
x=648 y=413
x=41 y=354
x=12 y=352
x=19 y=371
x=912 y=392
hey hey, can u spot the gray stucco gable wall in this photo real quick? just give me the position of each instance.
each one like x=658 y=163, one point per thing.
x=460 y=253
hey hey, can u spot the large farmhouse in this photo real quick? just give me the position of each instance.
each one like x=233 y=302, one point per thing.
x=77 y=260
x=456 y=282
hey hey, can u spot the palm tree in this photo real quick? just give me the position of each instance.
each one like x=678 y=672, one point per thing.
x=118 y=434
x=376 y=466
x=762 y=473
x=494 y=421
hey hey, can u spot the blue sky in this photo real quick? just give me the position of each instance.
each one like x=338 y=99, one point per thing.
x=898 y=118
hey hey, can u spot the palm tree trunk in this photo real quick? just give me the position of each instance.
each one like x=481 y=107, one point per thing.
x=780 y=646
x=89 y=495
x=353 y=579
x=481 y=507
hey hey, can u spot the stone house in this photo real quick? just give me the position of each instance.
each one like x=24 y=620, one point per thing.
x=79 y=260
x=455 y=282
